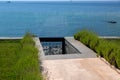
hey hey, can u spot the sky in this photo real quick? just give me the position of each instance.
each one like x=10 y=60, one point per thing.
x=59 y=0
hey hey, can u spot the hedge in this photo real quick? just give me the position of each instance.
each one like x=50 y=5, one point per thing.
x=103 y=48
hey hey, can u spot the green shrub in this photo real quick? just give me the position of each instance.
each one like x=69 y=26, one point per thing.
x=85 y=37
x=103 y=48
x=117 y=57
x=106 y=51
x=27 y=40
x=94 y=41
x=99 y=48
x=77 y=36
x=112 y=57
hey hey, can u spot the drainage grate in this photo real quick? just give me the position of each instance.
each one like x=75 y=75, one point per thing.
x=57 y=46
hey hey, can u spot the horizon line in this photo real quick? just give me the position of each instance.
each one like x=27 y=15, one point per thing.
x=57 y=1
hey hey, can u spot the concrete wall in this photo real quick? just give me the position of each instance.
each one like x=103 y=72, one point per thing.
x=70 y=49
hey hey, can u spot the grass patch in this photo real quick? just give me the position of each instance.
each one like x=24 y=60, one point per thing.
x=109 y=49
x=9 y=41
x=116 y=41
x=19 y=59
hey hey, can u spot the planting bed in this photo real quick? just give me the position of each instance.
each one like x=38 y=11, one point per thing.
x=19 y=60
x=116 y=41
x=107 y=49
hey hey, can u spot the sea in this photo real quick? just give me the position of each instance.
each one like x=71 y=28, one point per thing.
x=59 y=19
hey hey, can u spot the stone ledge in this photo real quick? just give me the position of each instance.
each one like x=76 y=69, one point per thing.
x=109 y=37
x=11 y=37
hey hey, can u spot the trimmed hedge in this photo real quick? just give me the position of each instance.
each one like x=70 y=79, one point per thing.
x=103 y=48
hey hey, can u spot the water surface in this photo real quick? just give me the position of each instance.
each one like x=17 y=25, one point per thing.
x=59 y=19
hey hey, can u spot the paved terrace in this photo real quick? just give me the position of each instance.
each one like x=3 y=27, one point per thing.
x=79 y=69
x=84 y=66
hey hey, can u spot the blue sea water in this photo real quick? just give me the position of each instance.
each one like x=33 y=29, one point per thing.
x=59 y=19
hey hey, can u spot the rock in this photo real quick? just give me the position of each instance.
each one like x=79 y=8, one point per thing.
x=113 y=22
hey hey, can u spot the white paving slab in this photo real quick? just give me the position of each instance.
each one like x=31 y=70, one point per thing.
x=79 y=69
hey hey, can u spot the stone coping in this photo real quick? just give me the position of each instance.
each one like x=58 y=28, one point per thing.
x=11 y=37
x=107 y=37
x=110 y=37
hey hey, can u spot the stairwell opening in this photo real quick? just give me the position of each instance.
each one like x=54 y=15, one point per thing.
x=57 y=46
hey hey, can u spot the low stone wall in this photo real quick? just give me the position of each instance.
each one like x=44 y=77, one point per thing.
x=70 y=49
